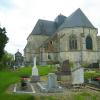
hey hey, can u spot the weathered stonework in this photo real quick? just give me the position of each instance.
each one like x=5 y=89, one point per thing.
x=50 y=41
x=33 y=42
x=74 y=55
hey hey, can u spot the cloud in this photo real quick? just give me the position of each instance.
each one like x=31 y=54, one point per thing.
x=91 y=9
x=6 y=5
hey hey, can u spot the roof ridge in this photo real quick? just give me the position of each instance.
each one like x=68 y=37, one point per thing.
x=45 y=20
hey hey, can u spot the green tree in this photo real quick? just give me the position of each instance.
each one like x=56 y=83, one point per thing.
x=3 y=41
x=7 y=61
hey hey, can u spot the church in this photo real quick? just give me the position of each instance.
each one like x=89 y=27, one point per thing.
x=72 y=38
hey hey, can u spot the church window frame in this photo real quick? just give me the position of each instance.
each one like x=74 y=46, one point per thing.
x=72 y=42
x=89 y=43
x=48 y=56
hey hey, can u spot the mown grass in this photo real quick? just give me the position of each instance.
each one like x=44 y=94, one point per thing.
x=75 y=96
x=86 y=96
x=10 y=77
x=43 y=70
x=7 y=78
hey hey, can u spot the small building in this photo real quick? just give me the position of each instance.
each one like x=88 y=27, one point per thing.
x=18 y=59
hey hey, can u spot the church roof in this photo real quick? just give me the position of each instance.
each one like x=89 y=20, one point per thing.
x=44 y=27
x=77 y=19
x=60 y=19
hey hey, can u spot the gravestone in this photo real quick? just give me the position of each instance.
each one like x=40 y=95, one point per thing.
x=52 y=81
x=64 y=73
x=65 y=68
x=77 y=74
x=35 y=75
x=51 y=86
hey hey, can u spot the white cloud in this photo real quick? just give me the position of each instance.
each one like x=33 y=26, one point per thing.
x=20 y=19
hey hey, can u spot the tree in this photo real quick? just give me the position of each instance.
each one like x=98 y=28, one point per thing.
x=3 y=41
x=7 y=61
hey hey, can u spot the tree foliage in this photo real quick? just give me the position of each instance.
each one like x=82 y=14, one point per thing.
x=7 y=61
x=3 y=41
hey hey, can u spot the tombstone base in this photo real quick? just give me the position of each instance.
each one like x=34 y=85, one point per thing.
x=35 y=78
x=44 y=88
x=64 y=80
x=51 y=85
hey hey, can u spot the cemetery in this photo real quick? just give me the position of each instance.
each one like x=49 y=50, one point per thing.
x=56 y=81
x=24 y=85
x=72 y=77
x=63 y=82
x=61 y=62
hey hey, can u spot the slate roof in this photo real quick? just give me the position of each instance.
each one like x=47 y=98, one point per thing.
x=77 y=19
x=60 y=19
x=44 y=27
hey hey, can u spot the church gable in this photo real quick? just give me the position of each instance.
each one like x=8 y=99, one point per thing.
x=77 y=19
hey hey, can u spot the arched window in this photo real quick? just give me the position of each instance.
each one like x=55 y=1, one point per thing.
x=49 y=57
x=72 y=42
x=89 y=44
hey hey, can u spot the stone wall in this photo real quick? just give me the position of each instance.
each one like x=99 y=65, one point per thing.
x=33 y=42
x=75 y=55
x=61 y=46
x=36 y=40
x=98 y=42
x=78 y=32
x=85 y=56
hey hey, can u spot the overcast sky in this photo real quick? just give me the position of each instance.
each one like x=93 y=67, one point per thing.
x=20 y=16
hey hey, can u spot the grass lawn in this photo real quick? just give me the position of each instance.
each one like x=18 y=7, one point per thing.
x=9 y=77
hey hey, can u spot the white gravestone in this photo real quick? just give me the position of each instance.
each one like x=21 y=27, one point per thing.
x=35 y=74
x=78 y=75
x=35 y=69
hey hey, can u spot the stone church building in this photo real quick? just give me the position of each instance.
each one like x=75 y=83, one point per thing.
x=72 y=38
